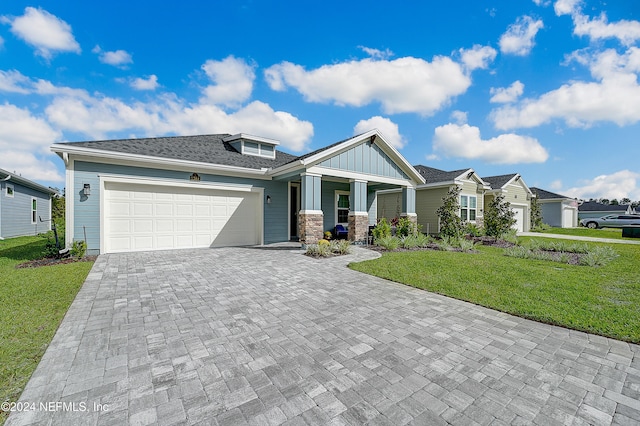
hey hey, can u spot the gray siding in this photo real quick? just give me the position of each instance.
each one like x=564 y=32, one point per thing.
x=552 y=213
x=427 y=202
x=365 y=158
x=15 y=211
x=87 y=209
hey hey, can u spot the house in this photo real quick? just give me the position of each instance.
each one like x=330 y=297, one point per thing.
x=25 y=206
x=225 y=190
x=557 y=210
x=595 y=209
x=516 y=192
x=429 y=197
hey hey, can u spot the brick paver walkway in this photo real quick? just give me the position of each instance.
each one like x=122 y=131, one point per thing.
x=258 y=336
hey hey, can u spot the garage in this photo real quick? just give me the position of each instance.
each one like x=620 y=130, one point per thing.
x=141 y=217
x=519 y=217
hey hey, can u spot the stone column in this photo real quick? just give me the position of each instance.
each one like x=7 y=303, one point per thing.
x=310 y=219
x=310 y=227
x=358 y=216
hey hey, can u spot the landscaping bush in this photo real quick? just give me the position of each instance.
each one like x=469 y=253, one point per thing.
x=498 y=217
x=415 y=241
x=446 y=243
x=450 y=222
x=598 y=256
x=381 y=230
x=388 y=243
x=406 y=227
x=510 y=236
x=78 y=249
x=466 y=245
x=340 y=246
x=536 y=214
x=472 y=230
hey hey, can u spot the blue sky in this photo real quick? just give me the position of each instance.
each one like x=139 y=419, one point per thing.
x=548 y=89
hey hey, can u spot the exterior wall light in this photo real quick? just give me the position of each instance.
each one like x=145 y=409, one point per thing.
x=86 y=190
x=268 y=199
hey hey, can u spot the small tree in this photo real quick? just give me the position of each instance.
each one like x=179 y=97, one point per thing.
x=536 y=213
x=498 y=217
x=448 y=212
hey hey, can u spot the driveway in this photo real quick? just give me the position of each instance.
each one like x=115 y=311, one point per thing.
x=269 y=336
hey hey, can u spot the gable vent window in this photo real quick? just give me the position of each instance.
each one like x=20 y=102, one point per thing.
x=253 y=145
x=9 y=191
x=34 y=210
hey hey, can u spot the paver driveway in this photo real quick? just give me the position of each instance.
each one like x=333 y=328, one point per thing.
x=242 y=335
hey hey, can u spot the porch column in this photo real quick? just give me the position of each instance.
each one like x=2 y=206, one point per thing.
x=310 y=220
x=409 y=204
x=358 y=214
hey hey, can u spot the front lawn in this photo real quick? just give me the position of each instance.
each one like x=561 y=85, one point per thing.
x=615 y=233
x=602 y=300
x=33 y=302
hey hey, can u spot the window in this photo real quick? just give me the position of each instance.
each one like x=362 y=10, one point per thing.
x=468 y=207
x=251 y=148
x=34 y=210
x=9 y=191
x=342 y=207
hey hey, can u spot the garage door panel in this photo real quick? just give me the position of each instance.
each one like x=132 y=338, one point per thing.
x=519 y=217
x=150 y=217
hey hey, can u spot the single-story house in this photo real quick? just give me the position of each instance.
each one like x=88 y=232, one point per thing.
x=516 y=192
x=25 y=206
x=429 y=197
x=557 y=210
x=225 y=190
x=595 y=209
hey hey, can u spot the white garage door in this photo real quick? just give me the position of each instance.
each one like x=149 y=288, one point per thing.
x=151 y=217
x=519 y=217
x=567 y=218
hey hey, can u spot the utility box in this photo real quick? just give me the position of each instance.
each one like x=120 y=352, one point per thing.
x=631 y=231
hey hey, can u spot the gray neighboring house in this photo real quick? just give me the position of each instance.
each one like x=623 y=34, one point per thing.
x=557 y=210
x=595 y=209
x=22 y=204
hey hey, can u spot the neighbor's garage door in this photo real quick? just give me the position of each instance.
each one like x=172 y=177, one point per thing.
x=519 y=217
x=567 y=218
x=152 y=217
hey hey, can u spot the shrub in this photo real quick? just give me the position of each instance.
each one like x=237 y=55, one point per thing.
x=510 y=236
x=472 y=229
x=598 y=256
x=340 y=246
x=381 y=230
x=466 y=245
x=388 y=243
x=498 y=217
x=406 y=227
x=446 y=243
x=319 y=250
x=541 y=228
x=450 y=222
x=536 y=214
x=79 y=249
x=415 y=241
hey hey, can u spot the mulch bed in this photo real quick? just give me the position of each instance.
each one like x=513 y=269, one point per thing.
x=49 y=261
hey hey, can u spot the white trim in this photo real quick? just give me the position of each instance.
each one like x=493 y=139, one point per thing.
x=310 y=174
x=358 y=180
x=352 y=213
x=250 y=138
x=388 y=191
x=337 y=193
x=476 y=209
x=69 y=195
x=408 y=214
x=320 y=212
x=6 y=190
x=359 y=176
x=445 y=184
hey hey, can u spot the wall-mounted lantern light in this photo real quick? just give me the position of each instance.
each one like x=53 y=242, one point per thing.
x=268 y=199
x=195 y=177
x=86 y=189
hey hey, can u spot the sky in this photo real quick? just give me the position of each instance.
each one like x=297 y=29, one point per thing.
x=548 y=89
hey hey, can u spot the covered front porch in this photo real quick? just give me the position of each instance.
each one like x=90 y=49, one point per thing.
x=338 y=186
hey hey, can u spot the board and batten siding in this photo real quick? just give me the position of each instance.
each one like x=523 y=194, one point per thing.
x=87 y=209
x=427 y=202
x=16 y=211
x=365 y=158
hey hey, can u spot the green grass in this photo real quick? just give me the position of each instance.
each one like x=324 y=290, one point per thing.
x=615 y=233
x=33 y=302
x=602 y=300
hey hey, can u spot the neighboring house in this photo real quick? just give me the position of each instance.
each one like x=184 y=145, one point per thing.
x=25 y=206
x=557 y=210
x=225 y=190
x=516 y=192
x=429 y=197
x=595 y=209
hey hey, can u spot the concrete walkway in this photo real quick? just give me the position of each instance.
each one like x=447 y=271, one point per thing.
x=269 y=336
x=576 y=237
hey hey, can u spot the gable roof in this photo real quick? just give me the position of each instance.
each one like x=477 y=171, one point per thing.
x=6 y=176
x=433 y=175
x=211 y=149
x=498 y=182
x=547 y=195
x=594 y=206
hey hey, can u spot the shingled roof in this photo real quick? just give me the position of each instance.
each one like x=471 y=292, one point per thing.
x=203 y=149
x=547 y=195
x=432 y=175
x=498 y=182
x=594 y=206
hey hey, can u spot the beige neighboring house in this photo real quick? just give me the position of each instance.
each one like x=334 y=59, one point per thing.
x=516 y=192
x=429 y=197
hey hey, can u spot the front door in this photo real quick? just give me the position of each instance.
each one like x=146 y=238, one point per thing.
x=294 y=208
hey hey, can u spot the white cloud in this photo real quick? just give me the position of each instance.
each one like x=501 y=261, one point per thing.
x=615 y=97
x=44 y=31
x=233 y=81
x=623 y=183
x=1 y=42
x=566 y=7
x=150 y=83
x=505 y=95
x=628 y=32
x=464 y=141
x=460 y=117
x=518 y=40
x=24 y=143
x=376 y=53
x=388 y=128
x=556 y=185
x=117 y=58
x=478 y=57
x=402 y=85
x=13 y=81
x=544 y=3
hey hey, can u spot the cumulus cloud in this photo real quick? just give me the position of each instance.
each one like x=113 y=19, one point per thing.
x=233 y=81
x=464 y=141
x=460 y=117
x=628 y=32
x=47 y=33
x=388 y=128
x=614 y=97
x=117 y=58
x=376 y=53
x=620 y=184
x=24 y=143
x=503 y=95
x=402 y=85
x=518 y=40
x=478 y=57
x=150 y=83
x=13 y=81
x=566 y=7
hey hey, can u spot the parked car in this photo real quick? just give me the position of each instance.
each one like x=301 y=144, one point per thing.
x=611 y=221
